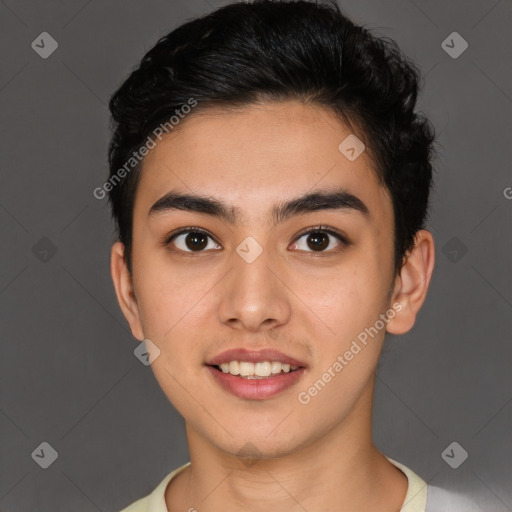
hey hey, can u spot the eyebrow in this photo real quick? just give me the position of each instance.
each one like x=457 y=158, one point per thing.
x=338 y=199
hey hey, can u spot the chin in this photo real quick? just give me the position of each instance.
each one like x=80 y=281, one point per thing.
x=258 y=445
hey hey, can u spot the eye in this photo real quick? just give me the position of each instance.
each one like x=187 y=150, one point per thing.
x=192 y=240
x=196 y=240
x=319 y=239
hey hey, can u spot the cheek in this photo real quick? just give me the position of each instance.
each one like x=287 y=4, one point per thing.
x=348 y=355
x=171 y=306
x=172 y=313
x=347 y=298
x=169 y=296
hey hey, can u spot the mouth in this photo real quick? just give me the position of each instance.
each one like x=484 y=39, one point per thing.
x=262 y=363
x=258 y=370
x=255 y=374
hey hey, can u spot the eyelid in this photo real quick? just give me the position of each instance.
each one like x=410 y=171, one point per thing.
x=167 y=241
x=325 y=229
x=322 y=228
x=171 y=236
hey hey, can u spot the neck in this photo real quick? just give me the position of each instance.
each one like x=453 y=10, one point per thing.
x=342 y=470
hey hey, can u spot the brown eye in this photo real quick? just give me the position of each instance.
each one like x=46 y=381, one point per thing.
x=319 y=240
x=196 y=241
x=193 y=241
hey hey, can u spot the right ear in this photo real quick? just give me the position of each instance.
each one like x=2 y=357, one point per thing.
x=123 y=285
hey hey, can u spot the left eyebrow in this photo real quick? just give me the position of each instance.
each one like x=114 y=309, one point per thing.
x=338 y=199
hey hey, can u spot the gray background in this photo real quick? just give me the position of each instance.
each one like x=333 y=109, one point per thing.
x=69 y=376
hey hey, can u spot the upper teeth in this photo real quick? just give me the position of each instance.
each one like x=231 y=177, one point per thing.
x=262 y=369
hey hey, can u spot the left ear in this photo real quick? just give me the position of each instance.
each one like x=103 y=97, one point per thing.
x=411 y=284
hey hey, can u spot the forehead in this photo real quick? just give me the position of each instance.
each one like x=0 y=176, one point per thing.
x=255 y=156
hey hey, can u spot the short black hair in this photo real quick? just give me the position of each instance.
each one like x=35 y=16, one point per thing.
x=266 y=51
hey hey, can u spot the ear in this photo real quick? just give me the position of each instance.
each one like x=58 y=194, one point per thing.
x=411 y=284
x=123 y=285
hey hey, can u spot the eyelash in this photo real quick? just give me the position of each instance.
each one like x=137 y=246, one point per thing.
x=193 y=229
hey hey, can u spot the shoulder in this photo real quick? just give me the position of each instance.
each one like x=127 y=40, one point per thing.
x=416 y=497
x=155 y=502
x=429 y=498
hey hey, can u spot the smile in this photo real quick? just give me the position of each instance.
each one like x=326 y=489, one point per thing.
x=255 y=374
x=259 y=370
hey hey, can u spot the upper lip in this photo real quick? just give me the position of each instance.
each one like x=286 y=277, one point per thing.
x=253 y=356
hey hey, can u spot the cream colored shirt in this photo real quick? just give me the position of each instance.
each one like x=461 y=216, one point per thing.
x=415 y=499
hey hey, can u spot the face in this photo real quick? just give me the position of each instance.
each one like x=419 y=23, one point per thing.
x=249 y=279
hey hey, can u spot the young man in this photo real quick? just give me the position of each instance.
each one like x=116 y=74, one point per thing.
x=270 y=182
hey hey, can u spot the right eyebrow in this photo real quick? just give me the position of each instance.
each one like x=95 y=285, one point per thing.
x=194 y=203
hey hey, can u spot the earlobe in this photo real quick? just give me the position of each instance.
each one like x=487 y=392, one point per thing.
x=412 y=283
x=123 y=285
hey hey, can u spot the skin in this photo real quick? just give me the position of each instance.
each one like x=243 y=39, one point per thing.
x=307 y=304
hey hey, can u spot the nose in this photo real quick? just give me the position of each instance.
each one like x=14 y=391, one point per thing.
x=253 y=296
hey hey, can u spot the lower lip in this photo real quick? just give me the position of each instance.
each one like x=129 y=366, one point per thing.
x=256 y=389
